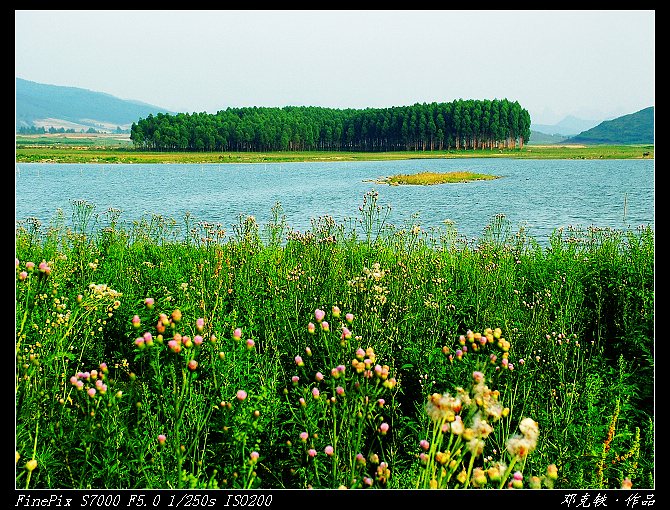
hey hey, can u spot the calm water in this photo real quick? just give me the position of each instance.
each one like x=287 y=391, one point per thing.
x=540 y=195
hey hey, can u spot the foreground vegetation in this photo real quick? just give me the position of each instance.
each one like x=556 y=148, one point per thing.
x=166 y=355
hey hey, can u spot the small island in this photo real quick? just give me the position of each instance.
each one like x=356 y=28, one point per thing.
x=427 y=178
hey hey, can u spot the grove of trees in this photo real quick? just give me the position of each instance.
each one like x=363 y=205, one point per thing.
x=460 y=124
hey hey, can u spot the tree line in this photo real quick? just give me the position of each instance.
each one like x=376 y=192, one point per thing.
x=460 y=124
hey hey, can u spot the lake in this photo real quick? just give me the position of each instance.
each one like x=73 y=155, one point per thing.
x=538 y=195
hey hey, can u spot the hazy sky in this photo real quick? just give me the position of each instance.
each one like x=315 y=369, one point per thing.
x=591 y=64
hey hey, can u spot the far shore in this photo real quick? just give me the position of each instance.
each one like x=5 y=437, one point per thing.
x=62 y=153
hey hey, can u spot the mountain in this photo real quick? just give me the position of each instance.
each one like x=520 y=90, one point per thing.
x=569 y=126
x=635 y=128
x=539 y=138
x=42 y=105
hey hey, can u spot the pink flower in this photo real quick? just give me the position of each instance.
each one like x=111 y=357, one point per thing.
x=311 y=328
x=339 y=390
x=478 y=376
x=149 y=302
x=200 y=324
x=91 y=392
x=148 y=339
x=73 y=380
x=325 y=326
x=241 y=395
x=315 y=392
x=161 y=439
x=197 y=339
x=328 y=450
x=298 y=361
x=384 y=428
x=139 y=342
x=336 y=312
x=23 y=275
x=311 y=452
x=360 y=353
x=346 y=334
x=304 y=436
x=349 y=317
x=424 y=444
x=302 y=402
x=319 y=315
x=367 y=481
x=237 y=334
x=136 y=321
x=308 y=351
x=381 y=402
x=250 y=344
x=174 y=345
x=319 y=376
x=295 y=379
x=44 y=267
x=254 y=457
x=193 y=364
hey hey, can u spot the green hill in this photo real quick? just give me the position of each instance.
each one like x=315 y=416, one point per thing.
x=42 y=105
x=632 y=129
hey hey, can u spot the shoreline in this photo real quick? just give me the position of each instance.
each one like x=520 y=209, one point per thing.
x=111 y=155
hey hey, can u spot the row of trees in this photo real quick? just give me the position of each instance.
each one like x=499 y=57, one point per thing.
x=460 y=124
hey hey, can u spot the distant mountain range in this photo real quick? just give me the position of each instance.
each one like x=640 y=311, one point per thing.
x=635 y=128
x=569 y=126
x=41 y=105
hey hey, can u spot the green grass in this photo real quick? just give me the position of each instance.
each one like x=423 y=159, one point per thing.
x=429 y=178
x=95 y=151
x=229 y=377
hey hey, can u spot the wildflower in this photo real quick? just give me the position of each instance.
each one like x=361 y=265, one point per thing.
x=325 y=326
x=149 y=302
x=200 y=324
x=176 y=315
x=383 y=428
x=367 y=481
x=479 y=477
x=339 y=390
x=627 y=483
x=478 y=376
x=424 y=444
x=197 y=340
x=319 y=315
x=328 y=450
x=139 y=342
x=44 y=267
x=360 y=459
x=148 y=339
x=311 y=328
x=349 y=317
x=308 y=351
x=295 y=379
x=250 y=344
x=174 y=346
x=254 y=457
x=552 y=472
x=136 y=321
x=535 y=482
x=381 y=402
x=315 y=392
x=319 y=376
x=299 y=362
x=31 y=465
x=186 y=340
x=346 y=334
x=304 y=436
x=161 y=439
x=237 y=334
x=311 y=452
x=193 y=364
x=91 y=392
x=336 y=312
x=241 y=395
x=302 y=402
x=23 y=275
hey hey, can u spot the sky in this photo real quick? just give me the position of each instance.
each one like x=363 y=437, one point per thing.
x=590 y=64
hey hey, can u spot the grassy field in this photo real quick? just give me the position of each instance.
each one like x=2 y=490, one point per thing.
x=118 y=149
x=170 y=355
